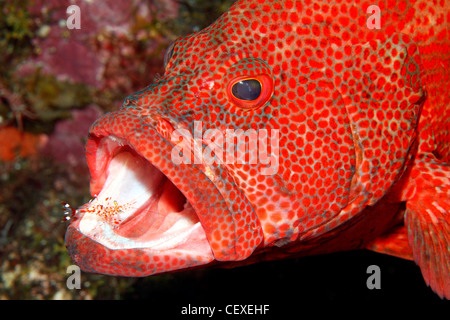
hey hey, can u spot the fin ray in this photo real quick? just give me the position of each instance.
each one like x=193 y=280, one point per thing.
x=427 y=222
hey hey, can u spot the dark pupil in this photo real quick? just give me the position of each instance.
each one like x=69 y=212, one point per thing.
x=247 y=89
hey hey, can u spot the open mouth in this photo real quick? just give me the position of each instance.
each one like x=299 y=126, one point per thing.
x=139 y=207
x=151 y=215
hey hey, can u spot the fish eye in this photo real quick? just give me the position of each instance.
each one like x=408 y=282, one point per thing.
x=250 y=92
x=248 y=89
x=168 y=54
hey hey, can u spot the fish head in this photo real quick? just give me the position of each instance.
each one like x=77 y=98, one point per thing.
x=267 y=127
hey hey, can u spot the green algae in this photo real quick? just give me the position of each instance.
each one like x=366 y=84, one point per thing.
x=51 y=99
x=16 y=29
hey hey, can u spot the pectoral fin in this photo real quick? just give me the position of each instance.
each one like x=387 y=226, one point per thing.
x=427 y=220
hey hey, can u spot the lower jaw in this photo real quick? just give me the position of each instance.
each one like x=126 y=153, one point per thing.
x=91 y=256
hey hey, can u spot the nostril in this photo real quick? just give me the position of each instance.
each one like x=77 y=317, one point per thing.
x=130 y=101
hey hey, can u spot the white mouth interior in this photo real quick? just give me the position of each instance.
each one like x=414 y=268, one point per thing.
x=139 y=207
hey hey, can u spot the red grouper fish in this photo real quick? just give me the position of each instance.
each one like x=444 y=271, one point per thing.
x=285 y=128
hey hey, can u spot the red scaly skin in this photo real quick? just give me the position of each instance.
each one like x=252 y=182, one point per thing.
x=364 y=141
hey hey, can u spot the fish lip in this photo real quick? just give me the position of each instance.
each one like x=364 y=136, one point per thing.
x=207 y=196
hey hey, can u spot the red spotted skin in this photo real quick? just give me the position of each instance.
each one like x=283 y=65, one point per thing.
x=357 y=111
